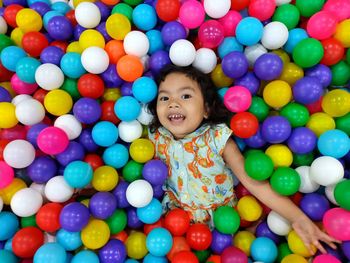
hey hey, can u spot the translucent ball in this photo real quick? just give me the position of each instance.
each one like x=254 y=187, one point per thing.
x=182 y=53
x=136 y=43
x=26 y=202
x=88 y=15
x=139 y=193
x=19 y=154
x=30 y=112
x=49 y=76
x=130 y=131
x=95 y=60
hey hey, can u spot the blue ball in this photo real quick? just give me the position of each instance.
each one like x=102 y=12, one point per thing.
x=335 y=143
x=131 y=261
x=249 y=31
x=228 y=45
x=9 y=220
x=127 y=108
x=78 y=174
x=294 y=37
x=144 y=89
x=50 y=252
x=105 y=133
x=150 y=213
x=144 y=17
x=263 y=249
x=10 y=56
x=61 y=7
x=69 y=240
x=25 y=69
x=48 y=15
x=159 y=242
x=116 y=156
x=71 y=65
x=7 y=256
x=149 y=258
x=85 y=256
x=155 y=41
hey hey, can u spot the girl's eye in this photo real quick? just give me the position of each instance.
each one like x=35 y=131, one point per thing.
x=186 y=96
x=163 y=98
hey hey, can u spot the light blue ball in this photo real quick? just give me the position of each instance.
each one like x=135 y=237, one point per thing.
x=144 y=17
x=25 y=69
x=85 y=256
x=149 y=258
x=222 y=92
x=48 y=15
x=150 y=213
x=8 y=244
x=335 y=143
x=71 y=65
x=155 y=41
x=9 y=220
x=10 y=56
x=159 y=242
x=127 y=108
x=144 y=89
x=7 y=256
x=105 y=133
x=69 y=240
x=131 y=261
x=78 y=174
x=61 y=7
x=249 y=31
x=263 y=249
x=228 y=45
x=30 y=2
x=116 y=156
x=294 y=37
x=50 y=252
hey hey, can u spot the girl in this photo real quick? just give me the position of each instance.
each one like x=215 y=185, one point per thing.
x=191 y=137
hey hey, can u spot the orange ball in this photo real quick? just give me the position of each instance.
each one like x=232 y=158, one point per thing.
x=110 y=2
x=115 y=50
x=179 y=244
x=129 y=68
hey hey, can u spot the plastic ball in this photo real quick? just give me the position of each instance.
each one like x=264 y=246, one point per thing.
x=235 y=64
x=150 y=213
x=52 y=140
x=244 y=124
x=340 y=32
x=34 y=42
x=129 y=68
x=26 y=202
x=49 y=76
x=144 y=89
x=7 y=193
x=19 y=154
x=249 y=209
x=271 y=30
x=27 y=241
x=302 y=140
x=237 y=99
x=102 y=205
x=95 y=234
x=308 y=52
x=314 y=206
x=10 y=56
x=85 y=256
x=58 y=102
x=114 y=250
x=177 y=221
x=116 y=156
x=263 y=249
x=141 y=150
x=144 y=17
x=58 y=190
x=159 y=242
x=243 y=241
x=285 y=181
x=280 y=155
x=78 y=174
x=205 y=60
x=297 y=246
x=341 y=194
x=7 y=110
x=296 y=114
x=234 y=254
x=336 y=103
x=28 y=20
x=199 y=236
x=105 y=178
x=59 y=27
x=334 y=143
x=326 y=170
x=47 y=217
x=136 y=43
x=191 y=14
x=167 y=10
x=258 y=166
x=136 y=245
x=105 y=133
x=275 y=129
x=71 y=65
x=320 y=122
x=307 y=90
x=30 y=112
x=139 y=193
x=182 y=53
x=69 y=240
x=336 y=223
x=89 y=62
x=155 y=172
x=322 y=25
x=261 y=9
x=74 y=217
x=50 y=251
x=10 y=220
x=25 y=69
x=87 y=15
x=6 y=175
x=268 y=66
x=117 y=26
x=281 y=88
x=278 y=224
x=70 y=125
x=249 y=31
x=218 y=9
x=307 y=185
x=226 y=220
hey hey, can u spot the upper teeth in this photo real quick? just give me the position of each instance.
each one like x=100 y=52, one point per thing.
x=176 y=116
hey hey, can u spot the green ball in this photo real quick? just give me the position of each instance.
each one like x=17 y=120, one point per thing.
x=303 y=159
x=258 y=166
x=283 y=251
x=251 y=151
x=287 y=14
x=133 y=2
x=308 y=52
x=123 y=9
x=259 y=108
x=343 y=123
x=28 y=221
x=297 y=114
x=202 y=255
x=348 y=56
x=285 y=181
x=340 y=73
x=117 y=222
x=5 y=41
x=132 y=171
x=342 y=194
x=309 y=7
x=71 y=86
x=226 y=220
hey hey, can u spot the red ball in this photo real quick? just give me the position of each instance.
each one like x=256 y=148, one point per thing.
x=3 y=144
x=214 y=259
x=34 y=42
x=262 y=9
x=149 y=227
x=241 y=191
x=177 y=221
x=5 y=74
x=27 y=241
x=91 y=86
x=71 y=17
x=244 y=124
x=168 y=10
x=239 y=4
x=40 y=94
x=199 y=236
x=185 y=257
x=315 y=107
x=179 y=244
x=60 y=44
x=108 y=113
x=333 y=51
x=47 y=217
x=10 y=14
x=94 y=160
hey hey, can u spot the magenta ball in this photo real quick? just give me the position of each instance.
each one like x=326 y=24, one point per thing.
x=237 y=99
x=233 y=255
x=211 y=34
x=52 y=140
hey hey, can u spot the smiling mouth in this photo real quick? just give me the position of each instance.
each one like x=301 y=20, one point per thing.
x=176 y=117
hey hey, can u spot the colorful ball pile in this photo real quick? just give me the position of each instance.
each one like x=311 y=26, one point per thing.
x=78 y=182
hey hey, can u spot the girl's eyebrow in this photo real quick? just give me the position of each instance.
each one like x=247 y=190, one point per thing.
x=180 y=89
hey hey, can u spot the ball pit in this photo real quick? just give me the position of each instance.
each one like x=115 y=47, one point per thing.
x=78 y=177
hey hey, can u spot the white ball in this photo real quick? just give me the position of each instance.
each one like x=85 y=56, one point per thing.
x=145 y=62
x=282 y=2
x=217 y=8
x=278 y=224
x=3 y=25
x=49 y=76
x=48 y=238
x=40 y=188
x=26 y=202
x=1 y=204
x=57 y=190
x=139 y=193
x=88 y=15
x=307 y=185
x=252 y=53
x=136 y=43
x=326 y=170
x=129 y=130
x=182 y=53
x=19 y=153
x=19 y=98
x=70 y=125
x=30 y=112
x=205 y=60
x=145 y=117
x=275 y=35
x=329 y=191
x=95 y=60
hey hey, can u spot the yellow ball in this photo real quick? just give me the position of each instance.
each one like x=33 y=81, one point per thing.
x=141 y=150
x=243 y=240
x=7 y=86
x=105 y=178
x=219 y=78
x=8 y=117
x=249 y=209
x=117 y=26
x=277 y=93
x=95 y=234
x=91 y=38
x=280 y=155
x=283 y=55
x=85 y=202
x=29 y=20
x=136 y=245
x=293 y=258
x=342 y=32
x=112 y=94
x=16 y=36
x=74 y=47
x=297 y=246
x=291 y=73
x=9 y=191
x=336 y=103
x=320 y=122
x=77 y=2
x=58 y=102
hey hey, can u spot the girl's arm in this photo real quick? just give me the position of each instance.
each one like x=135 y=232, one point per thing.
x=305 y=228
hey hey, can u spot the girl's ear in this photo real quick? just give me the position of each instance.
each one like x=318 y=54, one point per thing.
x=207 y=111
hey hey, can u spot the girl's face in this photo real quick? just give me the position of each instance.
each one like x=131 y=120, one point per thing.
x=180 y=105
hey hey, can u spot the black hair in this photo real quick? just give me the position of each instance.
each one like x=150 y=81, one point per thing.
x=217 y=112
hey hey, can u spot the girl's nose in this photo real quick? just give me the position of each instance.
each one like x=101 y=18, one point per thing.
x=173 y=104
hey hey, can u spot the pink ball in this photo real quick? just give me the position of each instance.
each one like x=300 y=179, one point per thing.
x=321 y=25
x=340 y=8
x=6 y=174
x=192 y=14
x=337 y=223
x=211 y=34
x=237 y=99
x=233 y=255
x=52 y=140
x=262 y=9
x=229 y=22
x=326 y=259
x=21 y=87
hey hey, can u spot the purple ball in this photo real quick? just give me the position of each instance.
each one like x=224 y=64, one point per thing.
x=113 y=252
x=51 y=54
x=322 y=73
x=59 y=28
x=74 y=152
x=14 y=2
x=263 y=230
x=173 y=31
x=256 y=141
x=268 y=66
x=5 y=96
x=345 y=246
x=276 y=129
x=74 y=217
x=105 y=10
x=33 y=133
x=41 y=7
x=158 y=60
x=158 y=192
x=249 y=81
x=85 y=139
x=302 y=140
x=307 y=90
x=133 y=221
x=87 y=110
x=220 y=241
x=120 y=194
x=235 y=64
x=78 y=29
x=126 y=89
x=2 y=10
x=155 y=172
x=42 y=169
x=102 y=205
x=314 y=206
x=334 y=252
x=102 y=29
x=110 y=77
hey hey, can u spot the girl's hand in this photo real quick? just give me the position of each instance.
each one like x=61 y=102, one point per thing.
x=310 y=234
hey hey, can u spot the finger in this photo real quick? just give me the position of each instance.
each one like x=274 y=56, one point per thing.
x=329 y=240
x=319 y=246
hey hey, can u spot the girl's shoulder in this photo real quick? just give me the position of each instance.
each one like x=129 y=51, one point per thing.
x=219 y=135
